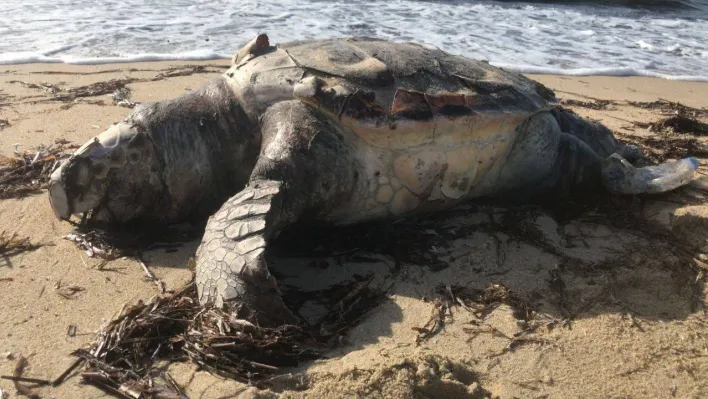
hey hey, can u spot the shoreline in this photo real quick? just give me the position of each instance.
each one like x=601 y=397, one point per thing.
x=114 y=62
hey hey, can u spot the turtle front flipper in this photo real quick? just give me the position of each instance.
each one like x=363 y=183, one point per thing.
x=231 y=267
x=304 y=171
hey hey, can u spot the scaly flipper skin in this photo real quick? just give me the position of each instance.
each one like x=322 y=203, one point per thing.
x=231 y=266
x=304 y=169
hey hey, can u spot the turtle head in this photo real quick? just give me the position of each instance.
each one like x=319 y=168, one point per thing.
x=115 y=175
x=168 y=161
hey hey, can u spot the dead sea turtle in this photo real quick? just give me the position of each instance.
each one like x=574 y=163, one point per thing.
x=340 y=131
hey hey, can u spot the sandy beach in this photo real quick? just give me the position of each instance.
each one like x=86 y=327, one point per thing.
x=619 y=308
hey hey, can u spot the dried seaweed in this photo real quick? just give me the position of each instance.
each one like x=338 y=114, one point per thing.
x=91 y=90
x=186 y=70
x=117 y=87
x=676 y=124
x=435 y=323
x=94 y=244
x=28 y=172
x=594 y=104
x=69 y=292
x=670 y=107
x=3 y=100
x=45 y=87
x=663 y=147
x=482 y=302
x=12 y=244
x=176 y=327
x=94 y=89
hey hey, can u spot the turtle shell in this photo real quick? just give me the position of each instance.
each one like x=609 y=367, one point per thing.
x=434 y=122
x=399 y=95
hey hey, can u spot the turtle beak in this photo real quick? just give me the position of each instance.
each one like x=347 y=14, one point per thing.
x=75 y=187
x=80 y=183
x=57 y=196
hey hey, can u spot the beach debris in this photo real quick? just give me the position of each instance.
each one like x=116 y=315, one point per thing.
x=69 y=105
x=99 y=240
x=181 y=71
x=678 y=118
x=593 y=104
x=4 y=123
x=187 y=70
x=13 y=244
x=71 y=330
x=3 y=99
x=91 y=90
x=116 y=88
x=151 y=276
x=177 y=327
x=69 y=292
x=121 y=97
x=435 y=324
x=38 y=381
x=94 y=89
x=676 y=124
x=480 y=302
x=659 y=148
x=29 y=171
x=477 y=301
x=670 y=107
x=46 y=87
x=17 y=379
x=94 y=244
x=155 y=384
x=57 y=381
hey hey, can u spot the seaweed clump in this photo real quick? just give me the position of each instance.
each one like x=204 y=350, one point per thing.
x=680 y=123
x=596 y=104
x=176 y=327
x=678 y=118
x=479 y=302
x=12 y=244
x=28 y=172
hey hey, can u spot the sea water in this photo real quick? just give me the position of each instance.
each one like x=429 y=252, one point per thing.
x=664 y=38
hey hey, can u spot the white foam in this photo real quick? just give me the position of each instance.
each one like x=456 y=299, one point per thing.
x=553 y=38
x=644 y=45
x=24 y=58
x=531 y=69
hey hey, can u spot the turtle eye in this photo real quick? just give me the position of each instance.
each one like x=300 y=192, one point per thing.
x=134 y=157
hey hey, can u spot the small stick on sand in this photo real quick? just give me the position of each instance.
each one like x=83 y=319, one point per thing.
x=66 y=372
x=37 y=381
x=20 y=367
x=150 y=275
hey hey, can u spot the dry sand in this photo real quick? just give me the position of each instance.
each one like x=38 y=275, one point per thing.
x=623 y=318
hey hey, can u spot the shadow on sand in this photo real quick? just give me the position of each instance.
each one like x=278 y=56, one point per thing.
x=552 y=265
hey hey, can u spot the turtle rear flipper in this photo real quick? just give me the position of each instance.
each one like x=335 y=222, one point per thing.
x=620 y=177
x=576 y=158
